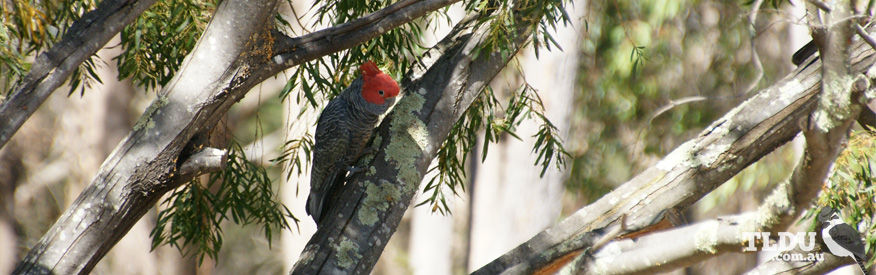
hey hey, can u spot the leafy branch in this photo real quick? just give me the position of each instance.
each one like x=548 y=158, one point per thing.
x=156 y=44
x=321 y=78
x=488 y=114
x=241 y=193
x=296 y=154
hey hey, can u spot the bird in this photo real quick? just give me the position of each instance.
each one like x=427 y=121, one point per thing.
x=342 y=131
x=841 y=239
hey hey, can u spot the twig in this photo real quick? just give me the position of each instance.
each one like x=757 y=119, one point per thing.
x=820 y=5
x=755 y=57
x=867 y=38
x=675 y=103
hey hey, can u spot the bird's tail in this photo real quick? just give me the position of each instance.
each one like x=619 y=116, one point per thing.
x=316 y=202
x=314 y=205
x=860 y=263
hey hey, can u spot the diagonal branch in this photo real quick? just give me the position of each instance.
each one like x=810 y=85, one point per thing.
x=826 y=130
x=142 y=167
x=695 y=168
x=675 y=248
x=52 y=68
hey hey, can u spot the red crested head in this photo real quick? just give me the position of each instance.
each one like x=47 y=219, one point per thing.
x=376 y=85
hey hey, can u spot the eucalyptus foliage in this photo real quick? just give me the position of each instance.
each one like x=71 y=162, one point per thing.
x=851 y=189
x=28 y=27
x=156 y=44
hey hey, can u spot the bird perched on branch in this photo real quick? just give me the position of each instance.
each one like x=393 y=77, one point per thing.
x=841 y=239
x=343 y=129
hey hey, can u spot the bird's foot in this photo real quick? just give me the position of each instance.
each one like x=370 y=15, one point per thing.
x=353 y=171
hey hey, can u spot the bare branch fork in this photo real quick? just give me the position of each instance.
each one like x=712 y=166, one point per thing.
x=213 y=77
x=844 y=94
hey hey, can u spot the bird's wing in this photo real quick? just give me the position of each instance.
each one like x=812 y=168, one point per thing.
x=332 y=138
x=849 y=238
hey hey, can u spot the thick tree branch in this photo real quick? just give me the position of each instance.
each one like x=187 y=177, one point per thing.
x=293 y=51
x=742 y=136
x=204 y=161
x=144 y=165
x=437 y=93
x=52 y=68
x=675 y=248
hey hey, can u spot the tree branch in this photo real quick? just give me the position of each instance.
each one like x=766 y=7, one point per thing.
x=293 y=51
x=728 y=234
x=52 y=68
x=825 y=138
x=695 y=168
x=204 y=161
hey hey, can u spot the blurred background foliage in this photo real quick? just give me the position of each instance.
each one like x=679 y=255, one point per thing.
x=639 y=58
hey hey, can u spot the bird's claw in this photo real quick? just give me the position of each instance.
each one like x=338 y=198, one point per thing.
x=353 y=171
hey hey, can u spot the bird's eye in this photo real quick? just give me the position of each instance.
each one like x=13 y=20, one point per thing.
x=380 y=92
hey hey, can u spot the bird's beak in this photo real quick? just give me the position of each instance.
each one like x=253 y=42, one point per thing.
x=389 y=101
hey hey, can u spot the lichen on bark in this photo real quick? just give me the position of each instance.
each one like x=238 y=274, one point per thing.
x=410 y=139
